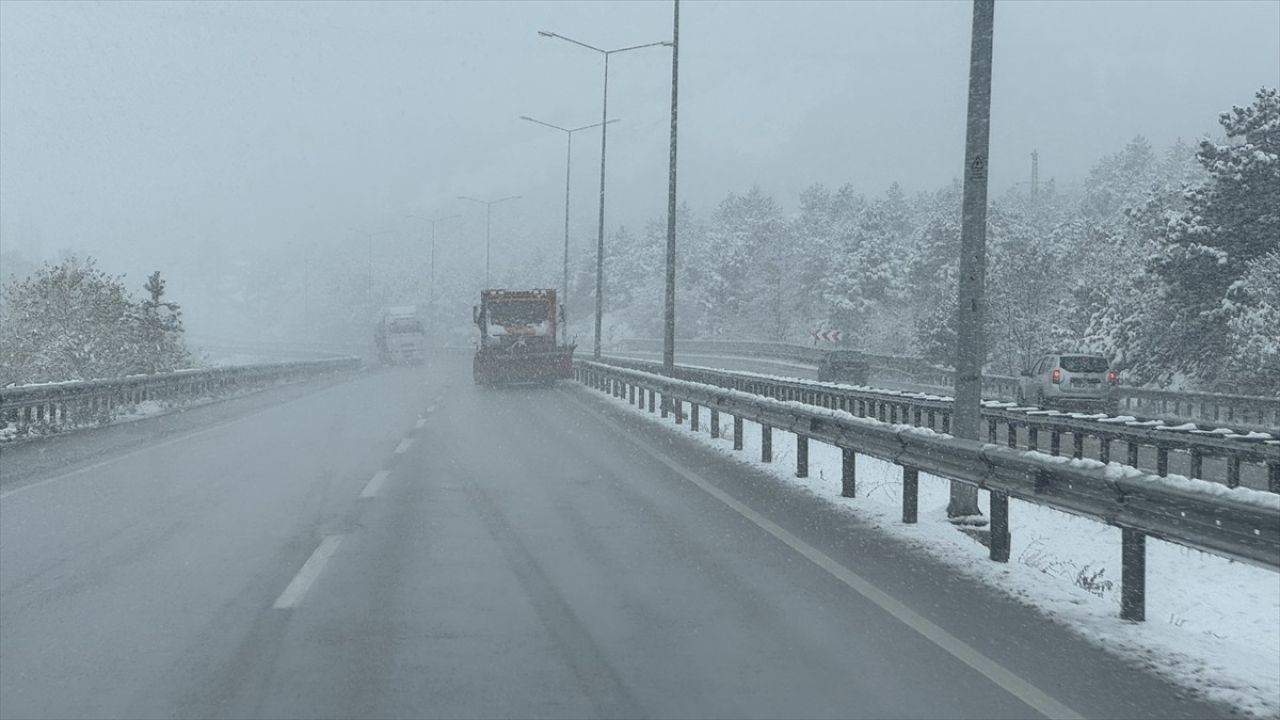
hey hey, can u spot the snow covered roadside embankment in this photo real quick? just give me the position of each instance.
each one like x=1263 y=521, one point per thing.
x=1213 y=624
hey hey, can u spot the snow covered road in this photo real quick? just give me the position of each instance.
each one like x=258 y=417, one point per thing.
x=406 y=544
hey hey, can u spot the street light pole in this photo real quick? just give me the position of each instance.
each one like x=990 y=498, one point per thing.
x=669 y=310
x=604 y=139
x=431 y=292
x=568 y=156
x=369 y=275
x=488 y=217
x=970 y=305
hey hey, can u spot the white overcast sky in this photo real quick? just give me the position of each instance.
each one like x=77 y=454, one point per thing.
x=139 y=131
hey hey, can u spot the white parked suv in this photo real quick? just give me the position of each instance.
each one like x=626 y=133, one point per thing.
x=1069 y=380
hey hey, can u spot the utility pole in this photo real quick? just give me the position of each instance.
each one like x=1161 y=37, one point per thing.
x=669 y=311
x=970 y=306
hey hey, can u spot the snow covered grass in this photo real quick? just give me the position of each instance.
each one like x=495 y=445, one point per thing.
x=1213 y=625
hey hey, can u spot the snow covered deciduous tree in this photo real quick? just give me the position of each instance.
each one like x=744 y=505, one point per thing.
x=73 y=321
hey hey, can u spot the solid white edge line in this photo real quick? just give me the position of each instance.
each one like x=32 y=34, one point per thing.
x=405 y=444
x=126 y=456
x=311 y=569
x=1012 y=683
x=149 y=448
x=375 y=484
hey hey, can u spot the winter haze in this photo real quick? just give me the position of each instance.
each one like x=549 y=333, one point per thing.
x=228 y=144
x=291 y=426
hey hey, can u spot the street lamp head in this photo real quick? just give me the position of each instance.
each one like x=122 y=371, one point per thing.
x=546 y=34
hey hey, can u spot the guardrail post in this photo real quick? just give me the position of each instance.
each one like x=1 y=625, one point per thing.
x=1104 y=450
x=737 y=432
x=880 y=411
x=632 y=399
x=677 y=406
x=946 y=422
x=1233 y=471
x=1162 y=461
x=999 y=526
x=910 y=494
x=1133 y=454
x=916 y=419
x=665 y=402
x=766 y=443
x=1133 y=575
x=1077 y=445
x=652 y=393
x=802 y=456
x=1055 y=442
x=1011 y=434
x=1197 y=463
x=715 y=423
x=991 y=431
x=848 y=473
x=693 y=416
x=1273 y=476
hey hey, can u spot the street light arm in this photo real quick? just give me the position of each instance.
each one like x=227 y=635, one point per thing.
x=596 y=125
x=546 y=34
x=547 y=124
x=666 y=43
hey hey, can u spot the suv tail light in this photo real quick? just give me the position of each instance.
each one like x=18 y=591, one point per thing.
x=1056 y=377
x=1113 y=377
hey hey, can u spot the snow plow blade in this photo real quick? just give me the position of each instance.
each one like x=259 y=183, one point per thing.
x=503 y=368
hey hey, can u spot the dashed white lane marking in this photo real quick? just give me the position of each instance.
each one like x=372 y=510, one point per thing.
x=405 y=444
x=422 y=422
x=375 y=484
x=311 y=570
x=431 y=409
x=1012 y=683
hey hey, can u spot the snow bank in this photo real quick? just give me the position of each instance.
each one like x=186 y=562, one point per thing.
x=1213 y=625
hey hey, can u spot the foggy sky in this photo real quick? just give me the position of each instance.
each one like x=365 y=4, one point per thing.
x=141 y=133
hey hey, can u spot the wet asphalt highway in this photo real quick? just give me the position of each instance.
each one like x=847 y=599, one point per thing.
x=404 y=544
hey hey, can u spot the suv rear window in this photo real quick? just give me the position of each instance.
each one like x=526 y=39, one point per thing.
x=1084 y=363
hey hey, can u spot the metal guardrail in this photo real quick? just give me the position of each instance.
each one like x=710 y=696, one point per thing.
x=934 y=413
x=28 y=410
x=1255 y=412
x=1240 y=524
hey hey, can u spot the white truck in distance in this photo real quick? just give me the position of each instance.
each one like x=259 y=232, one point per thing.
x=400 y=337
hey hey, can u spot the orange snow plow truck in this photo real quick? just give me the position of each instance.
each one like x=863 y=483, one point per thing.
x=518 y=338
